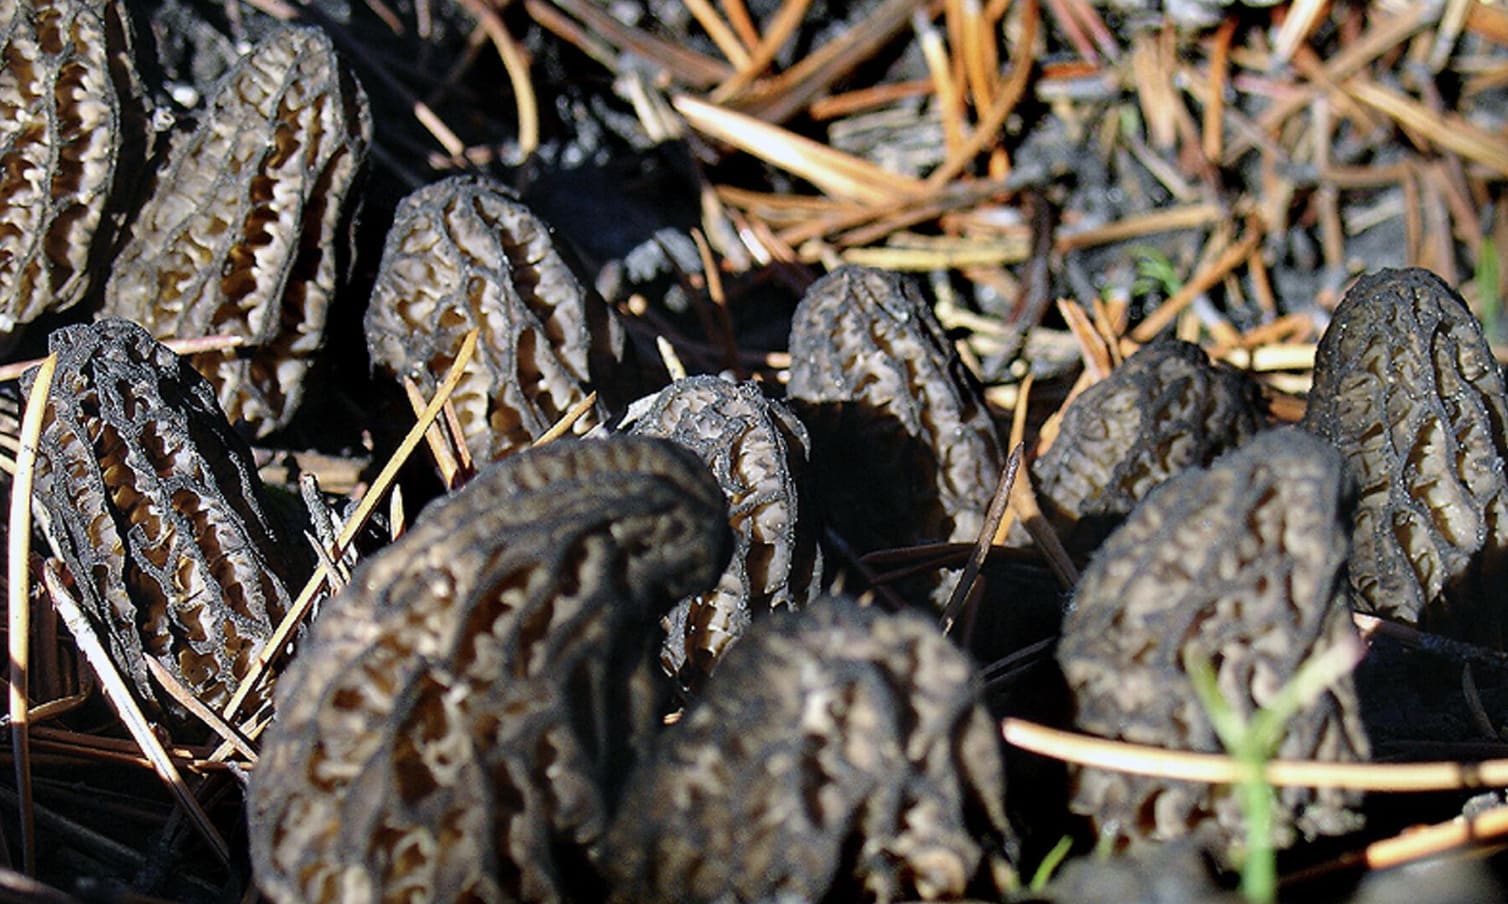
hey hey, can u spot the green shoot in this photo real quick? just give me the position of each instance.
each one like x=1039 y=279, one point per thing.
x=1050 y=863
x=1489 y=304
x=1155 y=273
x=1252 y=743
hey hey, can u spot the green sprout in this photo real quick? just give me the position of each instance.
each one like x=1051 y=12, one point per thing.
x=1050 y=863
x=1155 y=273
x=1254 y=742
x=1489 y=304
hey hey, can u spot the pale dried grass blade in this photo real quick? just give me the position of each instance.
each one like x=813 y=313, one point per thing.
x=434 y=437
x=1452 y=20
x=567 y=420
x=130 y=714
x=784 y=24
x=19 y=621
x=1215 y=768
x=1167 y=219
x=179 y=346
x=1448 y=131
x=719 y=31
x=940 y=66
x=305 y=600
x=1093 y=347
x=960 y=256
x=1303 y=15
x=516 y=64
x=838 y=174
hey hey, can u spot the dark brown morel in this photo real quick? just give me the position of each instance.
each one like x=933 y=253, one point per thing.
x=759 y=452
x=903 y=448
x=460 y=717
x=839 y=753
x=71 y=128
x=245 y=231
x=156 y=509
x=1406 y=387
x=1242 y=564
x=465 y=254
x=1164 y=410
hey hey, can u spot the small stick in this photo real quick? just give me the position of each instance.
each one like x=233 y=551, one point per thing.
x=457 y=440
x=434 y=437
x=1017 y=439
x=1416 y=844
x=1214 y=107
x=130 y=714
x=20 y=603
x=993 y=514
x=193 y=704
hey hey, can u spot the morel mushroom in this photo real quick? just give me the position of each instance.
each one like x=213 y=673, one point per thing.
x=464 y=254
x=157 y=512
x=837 y=753
x=243 y=234
x=455 y=728
x=1242 y=564
x=1406 y=387
x=903 y=447
x=71 y=133
x=758 y=450
x=1164 y=410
